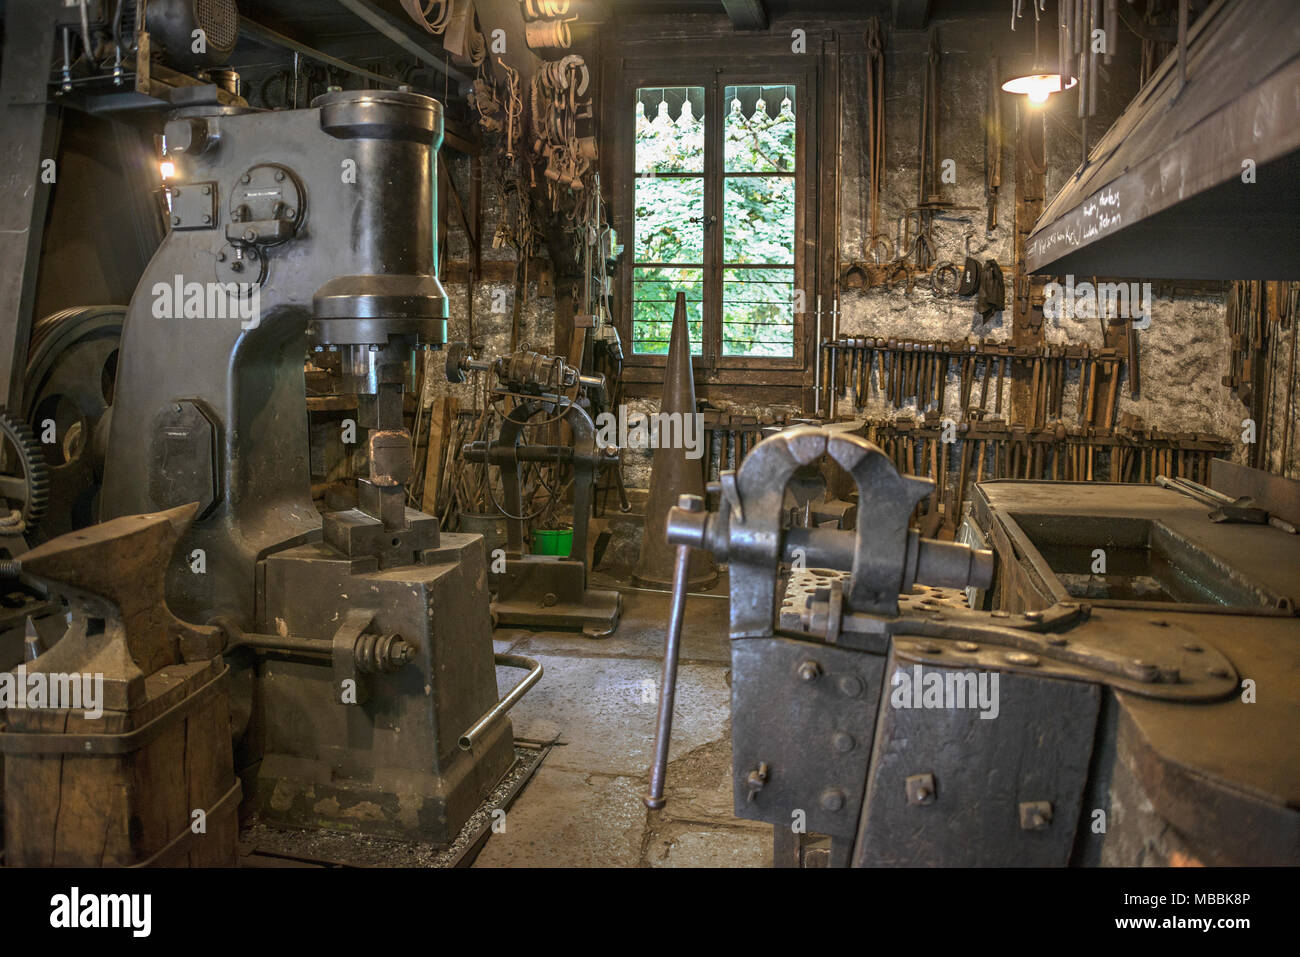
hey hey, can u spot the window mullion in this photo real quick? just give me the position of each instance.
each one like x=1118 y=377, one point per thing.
x=713 y=165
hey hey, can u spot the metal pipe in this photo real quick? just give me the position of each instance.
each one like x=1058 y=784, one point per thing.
x=668 y=686
x=817 y=372
x=498 y=710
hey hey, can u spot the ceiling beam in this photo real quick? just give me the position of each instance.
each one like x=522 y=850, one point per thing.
x=402 y=32
x=746 y=14
x=911 y=14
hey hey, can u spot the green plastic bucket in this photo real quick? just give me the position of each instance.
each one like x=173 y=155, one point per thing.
x=552 y=541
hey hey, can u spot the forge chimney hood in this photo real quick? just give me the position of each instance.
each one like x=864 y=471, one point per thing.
x=1163 y=194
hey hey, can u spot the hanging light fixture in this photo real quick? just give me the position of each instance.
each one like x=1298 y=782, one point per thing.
x=1038 y=83
x=1037 y=77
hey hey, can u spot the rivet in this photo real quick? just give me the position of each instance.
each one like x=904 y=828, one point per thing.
x=810 y=670
x=843 y=742
x=1001 y=614
x=967 y=646
x=1020 y=658
x=851 y=686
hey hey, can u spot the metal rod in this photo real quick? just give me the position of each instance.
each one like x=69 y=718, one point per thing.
x=817 y=372
x=498 y=710
x=265 y=35
x=1182 y=44
x=668 y=686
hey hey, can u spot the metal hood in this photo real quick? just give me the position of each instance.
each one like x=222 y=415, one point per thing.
x=1163 y=195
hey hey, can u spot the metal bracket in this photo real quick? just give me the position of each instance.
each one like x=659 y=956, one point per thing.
x=194 y=206
x=343 y=654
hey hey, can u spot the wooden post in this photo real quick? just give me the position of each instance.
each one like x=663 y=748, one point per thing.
x=441 y=418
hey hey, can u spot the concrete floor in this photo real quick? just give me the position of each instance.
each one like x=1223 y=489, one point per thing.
x=598 y=700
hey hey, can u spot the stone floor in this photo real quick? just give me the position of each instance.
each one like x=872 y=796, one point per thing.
x=597 y=700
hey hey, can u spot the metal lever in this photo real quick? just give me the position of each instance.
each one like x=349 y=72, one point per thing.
x=672 y=648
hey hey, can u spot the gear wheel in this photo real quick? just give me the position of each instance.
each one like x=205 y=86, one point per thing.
x=70 y=380
x=31 y=459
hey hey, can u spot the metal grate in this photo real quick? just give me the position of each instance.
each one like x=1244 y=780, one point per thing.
x=219 y=19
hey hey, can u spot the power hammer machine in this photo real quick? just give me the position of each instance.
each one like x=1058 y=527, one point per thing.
x=363 y=683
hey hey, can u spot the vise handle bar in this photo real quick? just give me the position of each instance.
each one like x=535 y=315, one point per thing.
x=672 y=648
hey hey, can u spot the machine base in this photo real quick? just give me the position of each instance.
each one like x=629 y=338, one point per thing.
x=541 y=591
x=377 y=752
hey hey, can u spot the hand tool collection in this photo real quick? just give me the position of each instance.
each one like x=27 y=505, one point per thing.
x=900 y=371
x=1256 y=316
x=729 y=437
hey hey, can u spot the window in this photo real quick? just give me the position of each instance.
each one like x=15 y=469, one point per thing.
x=669 y=218
x=739 y=285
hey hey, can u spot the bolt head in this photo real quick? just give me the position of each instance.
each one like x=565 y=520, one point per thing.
x=810 y=671
x=690 y=503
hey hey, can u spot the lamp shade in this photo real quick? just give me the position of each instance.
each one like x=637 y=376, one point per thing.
x=1035 y=77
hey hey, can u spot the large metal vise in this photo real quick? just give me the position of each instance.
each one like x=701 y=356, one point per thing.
x=864 y=687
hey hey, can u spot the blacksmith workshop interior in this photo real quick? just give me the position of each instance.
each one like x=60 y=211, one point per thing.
x=649 y=433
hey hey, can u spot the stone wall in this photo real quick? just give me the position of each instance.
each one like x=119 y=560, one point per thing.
x=1184 y=353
